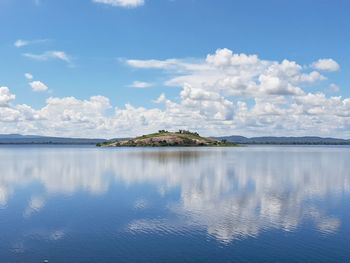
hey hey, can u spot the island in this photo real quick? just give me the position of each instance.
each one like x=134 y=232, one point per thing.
x=163 y=138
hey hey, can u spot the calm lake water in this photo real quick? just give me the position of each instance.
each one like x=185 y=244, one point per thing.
x=247 y=204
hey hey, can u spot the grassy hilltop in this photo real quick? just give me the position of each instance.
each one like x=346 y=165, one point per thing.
x=166 y=138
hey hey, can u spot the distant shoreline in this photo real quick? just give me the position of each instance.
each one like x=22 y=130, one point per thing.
x=272 y=140
x=39 y=143
x=238 y=144
x=15 y=139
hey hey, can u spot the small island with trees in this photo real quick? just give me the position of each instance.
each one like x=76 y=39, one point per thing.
x=163 y=138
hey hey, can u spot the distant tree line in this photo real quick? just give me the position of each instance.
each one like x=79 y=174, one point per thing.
x=181 y=132
x=188 y=132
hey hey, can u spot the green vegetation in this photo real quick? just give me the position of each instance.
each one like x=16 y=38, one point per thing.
x=164 y=138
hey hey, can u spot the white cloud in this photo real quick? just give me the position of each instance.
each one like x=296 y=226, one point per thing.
x=28 y=76
x=49 y=55
x=22 y=43
x=225 y=57
x=155 y=64
x=6 y=97
x=122 y=3
x=38 y=86
x=224 y=93
x=326 y=65
x=334 y=88
x=141 y=85
x=235 y=74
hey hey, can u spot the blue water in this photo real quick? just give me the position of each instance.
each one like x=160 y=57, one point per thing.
x=247 y=204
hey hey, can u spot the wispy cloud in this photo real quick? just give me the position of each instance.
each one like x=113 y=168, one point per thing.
x=121 y=3
x=49 y=55
x=154 y=63
x=334 y=88
x=141 y=85
x=22 y=43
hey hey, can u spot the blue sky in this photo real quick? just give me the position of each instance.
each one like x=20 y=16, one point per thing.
x=80 y=49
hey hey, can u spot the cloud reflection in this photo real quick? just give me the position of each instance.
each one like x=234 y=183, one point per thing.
x=35 y=205
x=231 y=192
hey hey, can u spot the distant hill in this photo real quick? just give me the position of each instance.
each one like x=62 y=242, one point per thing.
x=34 y=139
x=307 y=140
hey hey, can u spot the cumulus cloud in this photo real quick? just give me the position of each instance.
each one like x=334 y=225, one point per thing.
x=38 y=86
x=225 y=57
x=121 y=3
x=223 y=93
x=140 y=85
x=235 y=74
x=6 y=96
x=49 y=55
x=326 y=65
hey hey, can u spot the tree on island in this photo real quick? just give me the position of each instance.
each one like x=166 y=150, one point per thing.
x=188 y=132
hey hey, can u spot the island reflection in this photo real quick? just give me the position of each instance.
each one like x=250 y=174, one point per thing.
x=231 y=192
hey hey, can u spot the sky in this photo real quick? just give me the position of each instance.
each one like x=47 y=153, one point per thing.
x=115 y=68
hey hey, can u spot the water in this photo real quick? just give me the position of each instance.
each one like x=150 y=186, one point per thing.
x=247 y=204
